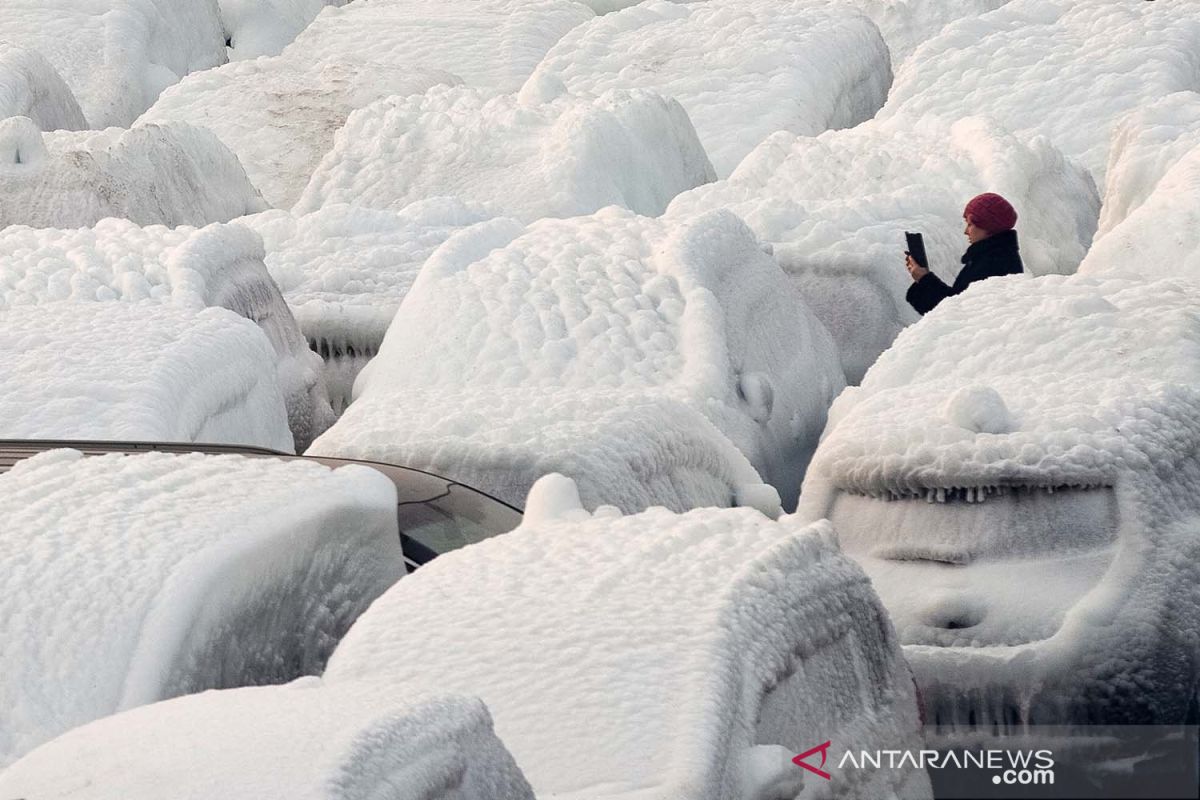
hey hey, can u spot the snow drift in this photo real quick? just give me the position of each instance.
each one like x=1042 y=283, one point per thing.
x=30 y=87
x=533 y=156
x=343 y=270
x=117 y=55
x=301 y=741
x=131 y=579
x=279 y=115
x=837 y=206
x=1044 y=497
x=743 y=70
x=745 y=636
x=1059 y=68
x=138 y=372
x=170 y=174
x=492 y=45
x=220 y=265
x=592 y=316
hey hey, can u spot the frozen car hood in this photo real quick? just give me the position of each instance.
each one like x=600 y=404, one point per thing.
x=1016 y=470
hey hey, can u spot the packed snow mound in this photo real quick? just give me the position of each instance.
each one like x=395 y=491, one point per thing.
x=155 y=575
x=631 y=452
x=691 y=310
x=743 y=70
x=343 y=270
x=1146 y=144
x=527 y=157
x=172 y=174
x=138 y=372
x=1059 y=68
x=1027 y=454
x=256 y=28
x=836 y=207
x=30 y=87
x=302 y=741
x=493 y=45
x=745 y=635
x=117 y=55
x=220 y=265
x=279 y=115
x=1161 y=237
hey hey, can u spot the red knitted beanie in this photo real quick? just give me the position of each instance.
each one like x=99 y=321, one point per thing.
x=991 y=212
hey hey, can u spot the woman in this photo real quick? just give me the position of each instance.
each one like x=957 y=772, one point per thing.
x=993 y=251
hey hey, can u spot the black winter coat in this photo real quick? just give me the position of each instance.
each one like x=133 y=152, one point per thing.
x=987 y=258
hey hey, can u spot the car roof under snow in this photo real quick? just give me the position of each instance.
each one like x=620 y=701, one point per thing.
x=1046 y=382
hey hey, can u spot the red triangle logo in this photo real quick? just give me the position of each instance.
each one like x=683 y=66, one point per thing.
x=823 y=749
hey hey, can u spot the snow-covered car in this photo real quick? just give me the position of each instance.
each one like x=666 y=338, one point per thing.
x=655 y=362
x=655 y=655
x=1018 y=475
x=433 y=514
x=129 y=579
x=140 y=371
x=218 y=265
x=301 y=741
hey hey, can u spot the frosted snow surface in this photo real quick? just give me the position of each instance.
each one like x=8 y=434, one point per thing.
x=1068 y=70
x=1146 y=144
x=264 y=27
x=492 y=45
x=279 y=115
x=596 y=315
x=1027 y=455
x=130 y=579
x=685 y=655
x=743 y=69
x=220 y=265
x=30 y=87
x=172 y=174
x=138 y=372
x=836 y=206
x=529 y=156
x=301 y=741
x=117 y=55
x=344 y=270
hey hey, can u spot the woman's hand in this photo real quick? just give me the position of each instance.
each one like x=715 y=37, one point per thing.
x=914 y=269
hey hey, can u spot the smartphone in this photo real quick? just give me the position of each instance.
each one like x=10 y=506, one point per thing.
x=916 y=248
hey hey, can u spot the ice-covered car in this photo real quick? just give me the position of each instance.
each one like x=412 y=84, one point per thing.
x=657 y=363
x=302 y=741
x=141 y=371
x=117 y=55
x=218 y=265
x=1018 y=475
x=169 y=174
x=742 y=69
x=344 y=271
x=657 y=655
x=433 y=514
x=133 y=578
